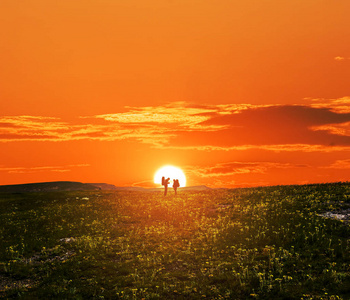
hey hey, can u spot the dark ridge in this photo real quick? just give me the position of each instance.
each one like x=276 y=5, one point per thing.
x=79 y=186
x=106 y=186
x=47 y=187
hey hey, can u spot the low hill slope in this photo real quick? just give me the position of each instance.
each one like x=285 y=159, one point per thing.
x=109 y=187
x=47 y=187
x=106 y=186
x=79 y=186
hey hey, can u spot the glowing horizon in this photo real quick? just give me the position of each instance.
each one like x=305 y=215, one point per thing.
x=171 y=172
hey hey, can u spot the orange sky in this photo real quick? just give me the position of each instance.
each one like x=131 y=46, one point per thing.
x=236 y=93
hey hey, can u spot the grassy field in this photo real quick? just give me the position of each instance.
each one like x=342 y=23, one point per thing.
x=256 y=243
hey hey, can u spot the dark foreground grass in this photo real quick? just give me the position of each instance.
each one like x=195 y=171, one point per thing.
x=258 y=243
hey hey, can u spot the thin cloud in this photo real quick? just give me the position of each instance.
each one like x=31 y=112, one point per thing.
x=337 y=105
x=25 y=170
x=33 y=128
x=274 y=148
x=151 y=125
x=268 y=126
x=144 y=184
x=183 y=117
x=342 y=129
x=238 y=168
x=340 y=58
x=319 y=126
x=339 y=164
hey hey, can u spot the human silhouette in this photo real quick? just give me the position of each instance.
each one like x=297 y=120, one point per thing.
x=176 y=184
x=165 y=182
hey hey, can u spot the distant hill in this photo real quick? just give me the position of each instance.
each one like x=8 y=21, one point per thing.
x=79 y=186
x=47 y=187
x=195 y=188
x=109 y=187
x=106 y=186
x=187 y=188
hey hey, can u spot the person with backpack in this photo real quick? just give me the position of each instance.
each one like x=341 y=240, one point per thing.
x=165 y=183
x=176 y=184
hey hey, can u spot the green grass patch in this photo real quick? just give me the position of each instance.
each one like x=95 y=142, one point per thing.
x=255 y=243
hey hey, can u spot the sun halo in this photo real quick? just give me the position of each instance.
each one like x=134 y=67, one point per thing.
x=171 y=172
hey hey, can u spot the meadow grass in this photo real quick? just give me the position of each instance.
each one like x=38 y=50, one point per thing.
x=254 y=243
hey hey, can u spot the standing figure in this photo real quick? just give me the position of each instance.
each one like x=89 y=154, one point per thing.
x=165 y=182
x=176 y=184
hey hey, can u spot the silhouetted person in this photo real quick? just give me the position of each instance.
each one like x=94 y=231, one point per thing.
x=165 y=182
x=176 y=184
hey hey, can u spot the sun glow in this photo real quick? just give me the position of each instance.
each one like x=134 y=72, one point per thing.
x=171 y=172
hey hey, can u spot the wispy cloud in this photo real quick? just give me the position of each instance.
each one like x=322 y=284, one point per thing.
x=59 y=169
x=152 y=125
x=322 y=125
x=178 y=115
x=144 y=184
x=273 y=127
x=335 y=129
x=33 y=128
x=273 y=148
x=339 y=164
x=340 y=58
x=337 y=105
x=235 y=168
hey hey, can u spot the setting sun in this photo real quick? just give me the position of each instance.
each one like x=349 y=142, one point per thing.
x=171 y=172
